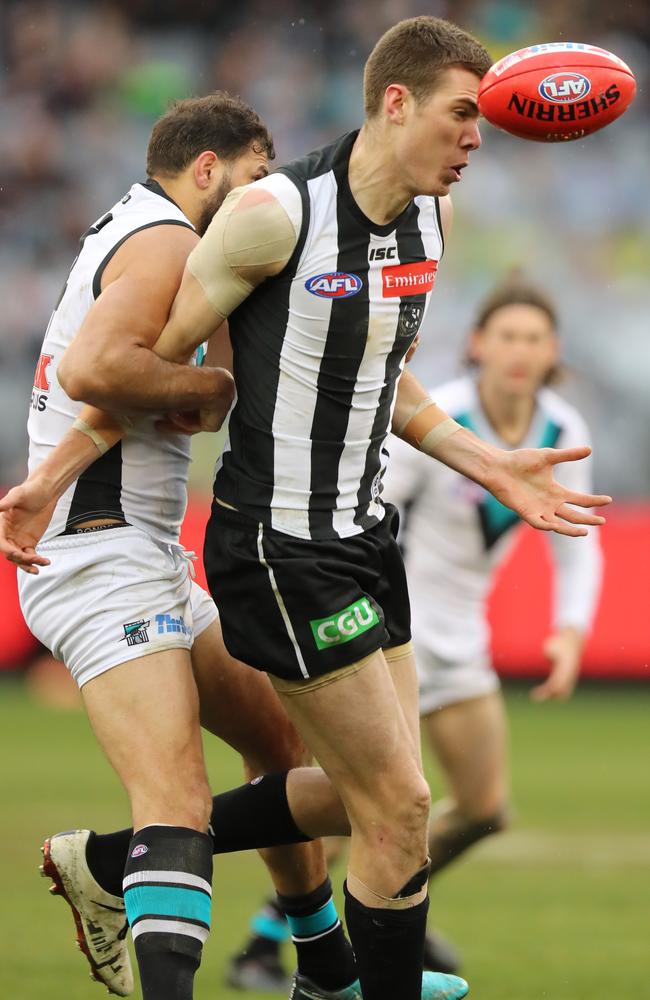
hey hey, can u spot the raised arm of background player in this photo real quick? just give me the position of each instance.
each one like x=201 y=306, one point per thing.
x=251 y=238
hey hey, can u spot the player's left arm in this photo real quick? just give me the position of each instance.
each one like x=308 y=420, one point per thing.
x=522 y=479
x=578 y=569
x=251 y=238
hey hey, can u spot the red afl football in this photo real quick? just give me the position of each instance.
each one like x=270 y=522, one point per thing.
x=556 y=92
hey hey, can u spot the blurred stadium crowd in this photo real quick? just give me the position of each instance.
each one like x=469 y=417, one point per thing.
x=81 y=83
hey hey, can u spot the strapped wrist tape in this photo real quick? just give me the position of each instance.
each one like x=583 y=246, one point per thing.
x=84 y=428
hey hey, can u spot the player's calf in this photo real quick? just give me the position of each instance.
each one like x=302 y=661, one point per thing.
x=452 y=833
x=168 y=895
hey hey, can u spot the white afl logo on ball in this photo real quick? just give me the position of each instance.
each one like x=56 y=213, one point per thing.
x=139 y=850
x=565 y=87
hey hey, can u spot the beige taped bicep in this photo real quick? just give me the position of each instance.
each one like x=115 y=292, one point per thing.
x=250 y=238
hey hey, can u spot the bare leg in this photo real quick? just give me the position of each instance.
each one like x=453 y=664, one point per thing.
x=145 y=716
x=470 y=741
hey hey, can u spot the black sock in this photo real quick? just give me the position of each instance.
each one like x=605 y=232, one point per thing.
x=324 y=953
x=167 y=893
x=253 y=815
x=268 y=930
x=389 y=948
x=106 y=854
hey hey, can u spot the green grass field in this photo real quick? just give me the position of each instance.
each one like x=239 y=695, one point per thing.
x=556 y=909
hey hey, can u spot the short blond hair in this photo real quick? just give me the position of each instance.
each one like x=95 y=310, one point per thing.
x=414 y=53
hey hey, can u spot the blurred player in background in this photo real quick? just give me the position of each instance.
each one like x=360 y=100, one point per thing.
x=456 y=535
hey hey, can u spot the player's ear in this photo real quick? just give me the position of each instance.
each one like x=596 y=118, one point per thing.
x=396 y=97
x=474 y=353
x=203 y=168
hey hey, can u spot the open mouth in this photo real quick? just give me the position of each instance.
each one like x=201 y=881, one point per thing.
x=456 y=169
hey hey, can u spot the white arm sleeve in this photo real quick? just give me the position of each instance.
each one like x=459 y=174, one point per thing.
x=578 y=562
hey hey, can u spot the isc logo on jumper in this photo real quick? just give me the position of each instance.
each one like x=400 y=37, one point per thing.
x=334 y=285
x=345 y=625
x=562 y=88
x=399 y=280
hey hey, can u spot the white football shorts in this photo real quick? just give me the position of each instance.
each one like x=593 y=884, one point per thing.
x=111 y=596
x=445 y=682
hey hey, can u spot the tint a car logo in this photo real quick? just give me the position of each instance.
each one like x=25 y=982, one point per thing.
x=399 y=280
x=334 y=285
x=41 y=383
x=562 y=88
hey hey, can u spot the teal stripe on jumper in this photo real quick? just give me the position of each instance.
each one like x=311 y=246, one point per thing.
x=166 y=901
x=315 y=923
x=270 y=928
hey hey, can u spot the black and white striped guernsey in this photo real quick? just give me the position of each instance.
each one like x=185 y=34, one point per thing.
x=318 y=351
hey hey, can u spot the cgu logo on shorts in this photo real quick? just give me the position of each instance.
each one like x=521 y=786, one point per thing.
x=334 y=285
x=345 y=625
x=399 y=280
x=565 y=87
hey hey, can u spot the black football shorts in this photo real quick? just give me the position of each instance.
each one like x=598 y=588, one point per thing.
x=299 y=609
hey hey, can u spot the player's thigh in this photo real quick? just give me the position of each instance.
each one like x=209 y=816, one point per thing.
x=145 y=714
x=401 y=664
x=470 y=740
x=239 y=705
x=355 y=727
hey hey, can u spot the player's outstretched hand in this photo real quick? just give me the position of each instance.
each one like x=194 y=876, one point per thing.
x=562 y=650
x=523 y=480
x=25 y=512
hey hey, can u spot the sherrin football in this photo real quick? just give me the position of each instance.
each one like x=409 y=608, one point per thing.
x=556 y=92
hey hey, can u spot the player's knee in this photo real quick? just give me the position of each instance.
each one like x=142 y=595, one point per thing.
x=285 y=752
x=405 y=821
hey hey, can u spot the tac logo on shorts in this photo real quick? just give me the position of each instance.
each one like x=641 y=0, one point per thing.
x=399 y=280
x=565 y=87
x=139 y=850
x=136 y=633
x=344 y=625
x=334 y=285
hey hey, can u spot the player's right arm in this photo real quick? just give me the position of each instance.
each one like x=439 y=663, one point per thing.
x=110 y=363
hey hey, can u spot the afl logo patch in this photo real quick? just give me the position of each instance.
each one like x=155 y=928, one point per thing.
x=139 y=850
x=565 y=87
x=334 y=285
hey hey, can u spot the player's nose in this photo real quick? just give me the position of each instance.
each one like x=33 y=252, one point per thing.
x=472 y=138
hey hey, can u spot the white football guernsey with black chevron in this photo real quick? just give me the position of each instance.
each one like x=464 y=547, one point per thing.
x=318 y=351
x=143 y=478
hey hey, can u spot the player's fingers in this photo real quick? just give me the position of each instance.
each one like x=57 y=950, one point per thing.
x=561 y=527
x=557 y=455
x=587 y=499
x=23 y=557
x=167 y=426
x=578 y=517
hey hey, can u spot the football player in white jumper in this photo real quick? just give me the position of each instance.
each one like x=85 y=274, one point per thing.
x=455 y=535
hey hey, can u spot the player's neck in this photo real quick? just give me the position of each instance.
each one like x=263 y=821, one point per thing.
x=374 y=179
x=509 y=415
x=183 y=195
